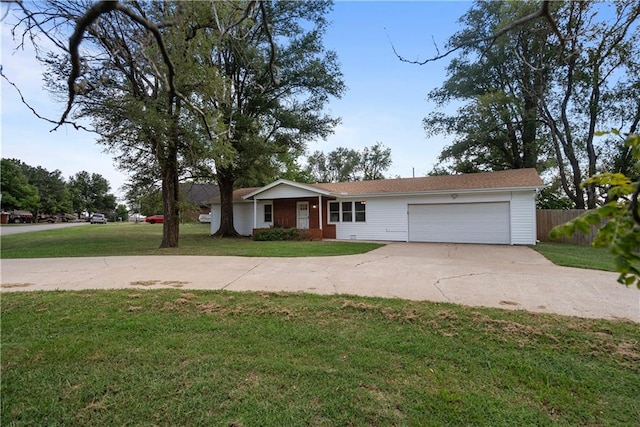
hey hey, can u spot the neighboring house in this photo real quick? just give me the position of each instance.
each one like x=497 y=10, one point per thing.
x=199 y=195
x=490 y=207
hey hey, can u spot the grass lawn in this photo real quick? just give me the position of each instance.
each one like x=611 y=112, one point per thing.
x=144 y=239
x=577 y=256
x=170 y=357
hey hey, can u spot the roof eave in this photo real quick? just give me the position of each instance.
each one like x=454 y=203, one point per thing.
x=429 y=192
x=289 y=183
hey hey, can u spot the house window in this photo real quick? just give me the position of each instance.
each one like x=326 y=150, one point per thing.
x=360 y=209
x=268 y=213
x=347 y=212
x=334 y=212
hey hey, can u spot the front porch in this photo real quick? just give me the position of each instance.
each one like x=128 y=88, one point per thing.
x=308 y=214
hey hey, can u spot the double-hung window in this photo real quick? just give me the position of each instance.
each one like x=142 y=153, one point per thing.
x=334 y=211
x=268 y=213
x=347 y=211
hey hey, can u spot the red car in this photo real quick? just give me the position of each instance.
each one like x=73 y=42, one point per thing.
x=153 y=219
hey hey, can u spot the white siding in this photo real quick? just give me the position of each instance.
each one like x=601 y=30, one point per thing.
x=242 y=218
x=387 y=217
x=283 y=191
x=523 y=218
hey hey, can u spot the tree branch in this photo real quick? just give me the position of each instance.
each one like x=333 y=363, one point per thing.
x=542 y=12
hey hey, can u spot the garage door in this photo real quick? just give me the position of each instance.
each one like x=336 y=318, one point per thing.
x=460 y=223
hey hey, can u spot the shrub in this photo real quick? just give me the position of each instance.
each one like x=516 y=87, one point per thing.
x=275 y=234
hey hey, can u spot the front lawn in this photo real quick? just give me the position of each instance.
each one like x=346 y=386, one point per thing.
x=577 y=256
x=215 y=358
x=144 y=239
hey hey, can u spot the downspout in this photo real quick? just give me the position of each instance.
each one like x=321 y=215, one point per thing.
x=255 y=213
x=320 y=213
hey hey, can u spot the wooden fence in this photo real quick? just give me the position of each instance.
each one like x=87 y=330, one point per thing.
x=546 y=219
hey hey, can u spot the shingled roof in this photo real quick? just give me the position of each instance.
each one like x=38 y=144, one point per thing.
x=514 y=178
x=472 y=181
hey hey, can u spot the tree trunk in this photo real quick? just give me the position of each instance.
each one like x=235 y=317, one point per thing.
x=170 y=197
x=225 y=184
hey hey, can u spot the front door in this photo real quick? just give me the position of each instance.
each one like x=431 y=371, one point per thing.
x=303 y=215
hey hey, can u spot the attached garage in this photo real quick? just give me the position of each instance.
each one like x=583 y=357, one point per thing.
x=460 y=223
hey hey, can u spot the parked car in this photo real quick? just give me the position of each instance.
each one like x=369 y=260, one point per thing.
x=153 y=219
x=47 y=218
x=98 y=219
x=136 y=217
x=204 y=218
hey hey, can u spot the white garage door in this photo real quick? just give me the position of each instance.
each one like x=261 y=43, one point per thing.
x=460 y=223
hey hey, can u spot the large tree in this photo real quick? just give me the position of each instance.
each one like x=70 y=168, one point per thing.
x=500 y=83
x=54 y=197
x=276 y=78
x=168 y=85
x=345 y=164
x=17 y=192
x=540 y=89
x=90 y=193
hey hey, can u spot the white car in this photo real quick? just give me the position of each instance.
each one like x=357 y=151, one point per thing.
x=136 y=217
x=98 y=219
x=204 y=218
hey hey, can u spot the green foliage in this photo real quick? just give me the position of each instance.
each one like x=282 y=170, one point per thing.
x=90 y=193
x=551 y=198
x=620 y=216
x=277 y=234
x=17 y=192
x=345 y=164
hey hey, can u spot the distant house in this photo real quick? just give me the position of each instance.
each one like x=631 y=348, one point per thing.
x=491 y=207
x=199 y=195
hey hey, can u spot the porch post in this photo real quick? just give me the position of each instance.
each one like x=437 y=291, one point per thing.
x=320 y=208
x=255 y=213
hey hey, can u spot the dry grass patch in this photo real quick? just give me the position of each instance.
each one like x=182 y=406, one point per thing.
x=15 y=285
x=172 y=283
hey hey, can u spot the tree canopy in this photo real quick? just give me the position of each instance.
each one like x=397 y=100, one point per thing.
x=536 y=96
x=188 y=89
x=345 y=164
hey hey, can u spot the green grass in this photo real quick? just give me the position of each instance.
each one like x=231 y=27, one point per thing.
x=144 y=239
x=171 y=357
x=577 y=256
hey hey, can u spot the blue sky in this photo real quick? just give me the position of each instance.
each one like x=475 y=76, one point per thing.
x=385 y=101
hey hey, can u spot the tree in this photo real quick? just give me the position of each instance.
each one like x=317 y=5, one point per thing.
x=17 y=192
x=555 y=80
x=618 y=219
x=52 y=189
x=90 y=193
x=501 y=82
x=374 y=161
x=140 y=78
x=344 y=164
x=597 y=56
x=271 y=99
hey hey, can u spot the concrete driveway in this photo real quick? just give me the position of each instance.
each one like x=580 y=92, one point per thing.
x=510 y=277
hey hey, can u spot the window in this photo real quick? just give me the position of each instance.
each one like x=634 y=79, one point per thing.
x=268 y=213
x=334 y=212
x=347 y=212
x=360 y=209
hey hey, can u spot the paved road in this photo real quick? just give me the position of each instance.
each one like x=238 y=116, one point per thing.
x=5 y=230
x=510 y=277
